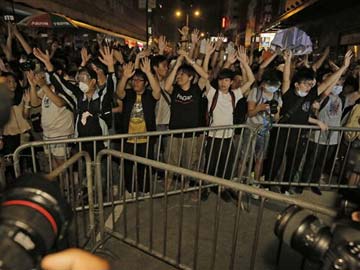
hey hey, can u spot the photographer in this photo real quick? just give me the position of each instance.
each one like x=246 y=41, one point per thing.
x=264 y=103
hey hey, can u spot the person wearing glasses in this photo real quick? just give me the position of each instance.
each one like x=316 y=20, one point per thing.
x=92 y=104
x=138 y=117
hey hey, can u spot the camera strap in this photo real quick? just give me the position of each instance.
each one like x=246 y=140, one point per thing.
x=166 y=97
x=284 y=118
x=214 y=101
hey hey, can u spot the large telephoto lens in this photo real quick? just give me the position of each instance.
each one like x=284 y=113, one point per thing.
x=33 y=218
x=304 y=232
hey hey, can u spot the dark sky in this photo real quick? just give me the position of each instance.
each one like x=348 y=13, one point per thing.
x=209 y=21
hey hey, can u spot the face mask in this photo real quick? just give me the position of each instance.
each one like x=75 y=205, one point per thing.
x=83 y=87
x=271 y=89
x=337 y=89
x=302 y=94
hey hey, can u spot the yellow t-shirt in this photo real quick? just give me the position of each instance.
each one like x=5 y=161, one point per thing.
x=137 y=121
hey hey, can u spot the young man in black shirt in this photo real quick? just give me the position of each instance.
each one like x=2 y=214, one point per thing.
x=297 y=102
x=139 y=117
x=184 y=112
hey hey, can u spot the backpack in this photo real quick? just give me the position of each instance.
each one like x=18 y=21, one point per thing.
x=353 y=122
x=209 y=114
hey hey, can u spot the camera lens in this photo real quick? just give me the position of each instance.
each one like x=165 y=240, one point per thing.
x=33 y=218
x=304 y=232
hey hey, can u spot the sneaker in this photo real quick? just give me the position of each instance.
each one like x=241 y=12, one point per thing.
x=296 y=190
x=225 y=196
x=204 y=195
x=233 y=194
x=316 y=190
x=194 y=197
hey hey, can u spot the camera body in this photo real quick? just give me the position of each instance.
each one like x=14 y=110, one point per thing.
x=28 y=64
x=34 y=219
x=334 y=248
x=273 y=106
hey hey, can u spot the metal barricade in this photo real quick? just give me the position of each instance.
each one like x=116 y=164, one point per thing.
x=82 y=231
x=295 y=156
x=187 y=233
x=189 y=148
x=302 y=156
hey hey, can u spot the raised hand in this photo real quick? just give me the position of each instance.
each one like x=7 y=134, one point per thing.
x=118 y=56
x=232 y=57
x=241 y=55
x=183 y=53
x=2 y=66
x=195 y=36
x=43 y=57
x=85 y=56
x=26 y=96
x=347 y=58
x=287 y=55
x=31 y=78
x=107 y=56
x=162 y=43
x=219 y=41
x=128 y=70
x=144 y=53
x=14 y=29
x=180 y=59
x=184 y=31
x=145 y=65
x=209 y=47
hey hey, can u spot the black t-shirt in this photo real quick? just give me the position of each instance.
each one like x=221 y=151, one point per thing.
x=185 y=107
x=301 y=114
x=148 y=103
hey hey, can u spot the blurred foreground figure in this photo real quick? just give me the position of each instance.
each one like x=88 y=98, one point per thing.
x=74 y=259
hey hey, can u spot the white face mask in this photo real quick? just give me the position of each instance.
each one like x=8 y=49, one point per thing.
x=271 y=89
x=337 y=89
x=301 y=93
x=83 y=87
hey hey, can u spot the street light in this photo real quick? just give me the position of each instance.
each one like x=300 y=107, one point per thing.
x=196 y=13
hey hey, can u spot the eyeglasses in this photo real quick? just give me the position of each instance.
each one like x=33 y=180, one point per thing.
x=307 y=83
x=83 y=77
x=138 y=80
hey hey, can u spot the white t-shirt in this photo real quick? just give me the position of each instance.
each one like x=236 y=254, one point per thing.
x=162 y=109
x=223 y=112
x=56 y=122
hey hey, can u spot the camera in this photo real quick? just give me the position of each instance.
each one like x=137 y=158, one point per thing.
x=273 y=106
x=34 y=219
x=28 y=64
x=333 y=248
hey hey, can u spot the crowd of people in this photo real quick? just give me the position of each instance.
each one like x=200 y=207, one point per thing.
x=59 y=92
